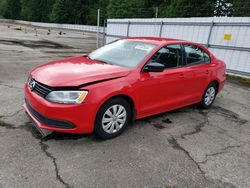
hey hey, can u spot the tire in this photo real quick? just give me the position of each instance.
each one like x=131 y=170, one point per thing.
x=208 y=96
x=107 y=124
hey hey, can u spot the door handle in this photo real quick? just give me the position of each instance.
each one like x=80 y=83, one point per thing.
x=207 y=72
x=181 y=75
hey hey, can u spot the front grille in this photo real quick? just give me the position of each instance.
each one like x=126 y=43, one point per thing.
x=42 y=89
x=39 y=88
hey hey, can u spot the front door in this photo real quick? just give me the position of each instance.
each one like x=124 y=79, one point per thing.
x=163 y=91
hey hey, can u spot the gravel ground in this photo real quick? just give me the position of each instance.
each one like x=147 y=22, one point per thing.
x=188 y=147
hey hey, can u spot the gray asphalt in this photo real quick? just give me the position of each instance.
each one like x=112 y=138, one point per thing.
x=188 y=147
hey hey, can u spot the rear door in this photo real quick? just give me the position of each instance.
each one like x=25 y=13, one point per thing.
x=197 y=61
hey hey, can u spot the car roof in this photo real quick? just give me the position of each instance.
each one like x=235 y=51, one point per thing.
x=154 y=40
x=162 y=41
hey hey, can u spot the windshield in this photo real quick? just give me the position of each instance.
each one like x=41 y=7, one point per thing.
x=123 y=52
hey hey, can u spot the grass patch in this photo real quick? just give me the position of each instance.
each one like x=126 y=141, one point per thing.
x=243 y=80
x=2 y=123
x=6 y=125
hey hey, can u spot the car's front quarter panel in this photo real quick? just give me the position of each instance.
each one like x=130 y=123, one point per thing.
x=101 y=92
x=80 y=115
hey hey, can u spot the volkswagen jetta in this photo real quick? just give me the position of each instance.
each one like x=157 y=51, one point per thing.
x=125 y=80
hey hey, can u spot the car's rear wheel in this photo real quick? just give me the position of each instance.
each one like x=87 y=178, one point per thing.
x=208 y=96
x=112 y=118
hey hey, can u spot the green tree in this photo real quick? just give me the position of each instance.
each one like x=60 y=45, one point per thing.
x=85 y=11
x=91 y=11
x=128 y=9
x=45 y=8
x=59 y=13
x=79 y=11
x=240 y=8
x=11 y=9
x=190 y=8
x=2 y=5
x=72 y=8
x=36 y=10
x=223 y=8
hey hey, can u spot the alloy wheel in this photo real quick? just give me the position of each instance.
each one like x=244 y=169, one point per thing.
x=209 y=96
x=114 y=119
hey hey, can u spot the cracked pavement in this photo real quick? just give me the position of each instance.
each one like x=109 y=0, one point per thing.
x=187 y=147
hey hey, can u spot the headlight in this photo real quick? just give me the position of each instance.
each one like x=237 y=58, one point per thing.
x=67 y=97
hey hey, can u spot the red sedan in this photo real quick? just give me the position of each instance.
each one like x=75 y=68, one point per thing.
x=125 y=80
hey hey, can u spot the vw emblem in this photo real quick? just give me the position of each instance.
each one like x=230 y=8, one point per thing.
x=32 y=85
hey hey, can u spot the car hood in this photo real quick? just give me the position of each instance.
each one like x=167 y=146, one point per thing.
x=76 y=71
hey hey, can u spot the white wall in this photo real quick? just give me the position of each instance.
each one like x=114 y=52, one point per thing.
x=196 y=30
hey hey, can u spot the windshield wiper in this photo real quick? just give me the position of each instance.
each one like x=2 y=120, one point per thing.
x=87 y=57
x=102 y=61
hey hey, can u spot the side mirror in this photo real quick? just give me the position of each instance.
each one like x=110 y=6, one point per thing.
x=154 y=67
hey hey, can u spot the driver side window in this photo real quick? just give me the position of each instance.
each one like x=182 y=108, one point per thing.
x=169 y=56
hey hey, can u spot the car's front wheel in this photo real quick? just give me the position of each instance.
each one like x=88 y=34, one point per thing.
x=112 y=118
x=208 y=96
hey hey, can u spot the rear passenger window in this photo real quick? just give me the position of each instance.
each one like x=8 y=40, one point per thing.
x=206 y=57
x=169 y=56
x=195 y=55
